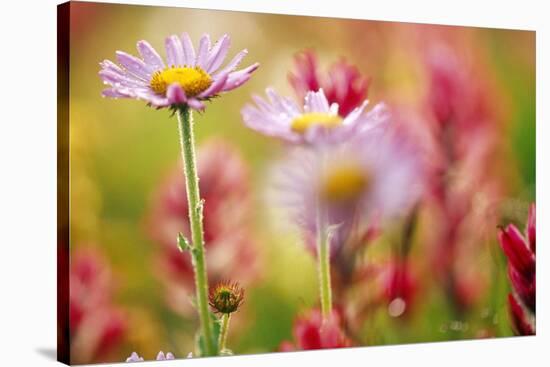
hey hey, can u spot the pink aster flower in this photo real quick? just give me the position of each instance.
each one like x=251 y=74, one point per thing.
x=310 y=333
x=187 y=77
x=520 y=250
x=342 y=83
x=317 y=121
x=134 y=357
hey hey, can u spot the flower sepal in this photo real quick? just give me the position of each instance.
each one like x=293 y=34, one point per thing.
x=183 y=243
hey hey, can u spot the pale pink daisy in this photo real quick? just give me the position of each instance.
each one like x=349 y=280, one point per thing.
x=375 y=175
x=316 y=121
x=188 y=77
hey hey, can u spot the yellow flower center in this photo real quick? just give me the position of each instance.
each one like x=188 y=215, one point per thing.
x=303 y=122
x=193 y=80
x=344 y=183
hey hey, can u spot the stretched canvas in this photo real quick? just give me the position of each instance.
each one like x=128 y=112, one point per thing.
x=233 y=183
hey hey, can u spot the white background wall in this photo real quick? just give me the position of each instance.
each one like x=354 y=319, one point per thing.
x=28 y=181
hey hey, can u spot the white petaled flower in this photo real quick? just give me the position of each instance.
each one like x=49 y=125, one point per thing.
x=315 y=122
x=188 y=77
x=134 y=357
x=162 y=357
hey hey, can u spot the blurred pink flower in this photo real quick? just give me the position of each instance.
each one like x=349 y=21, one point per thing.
x=230 y=245
x=459 y=150
x=520 y=251
x=373 y=177
x=311 y=333
x=97 y=326
x=342 y=82
x=400 y=288
x=391 y=286
x=189 y=76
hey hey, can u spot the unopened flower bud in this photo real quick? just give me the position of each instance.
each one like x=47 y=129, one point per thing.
x=226 y=297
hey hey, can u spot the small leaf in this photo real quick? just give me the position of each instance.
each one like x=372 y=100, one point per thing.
x=183 y=243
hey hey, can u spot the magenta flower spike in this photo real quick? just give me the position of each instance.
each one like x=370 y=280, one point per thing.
x=520 y=251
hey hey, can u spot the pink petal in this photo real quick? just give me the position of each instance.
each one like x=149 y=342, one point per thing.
x=188 y=50
x=196 y=104
x=217 y=54
x=238 y=78
x=215 y=87
x=150 y=55
x=133 y=65
x=316 y=102
x=176 y=94
x=109 y=65
x=202 y=54
x=174 y=51
x=113 y=78
x=234 y=62
x=113 y=93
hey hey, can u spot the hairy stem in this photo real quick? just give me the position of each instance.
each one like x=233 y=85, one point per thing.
x=323 y=258
x=187 y=141
x=224 y=331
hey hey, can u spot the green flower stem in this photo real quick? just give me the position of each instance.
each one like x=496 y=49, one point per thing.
x=187 y=141
x=323 y=258
x=224 y=331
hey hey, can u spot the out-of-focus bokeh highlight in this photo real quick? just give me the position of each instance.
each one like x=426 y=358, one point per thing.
x=445 y=279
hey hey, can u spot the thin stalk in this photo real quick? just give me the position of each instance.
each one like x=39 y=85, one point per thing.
x=187 y=141
x=224 y=331
x=323 y=254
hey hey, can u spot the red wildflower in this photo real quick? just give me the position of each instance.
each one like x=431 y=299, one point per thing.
x=96 y=325
x=342 y=83
x=311 y=333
